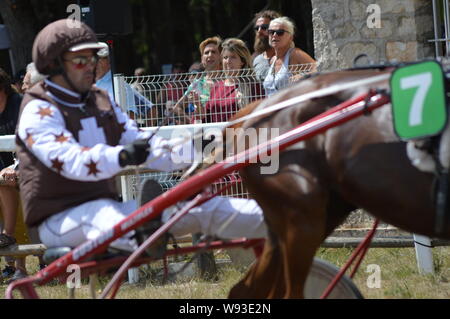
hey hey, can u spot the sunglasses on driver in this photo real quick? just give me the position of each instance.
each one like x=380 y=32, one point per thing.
x=80 y=62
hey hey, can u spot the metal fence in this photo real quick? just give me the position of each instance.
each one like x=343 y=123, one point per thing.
x=188 y=98
x=441 y=23
x=192 y=99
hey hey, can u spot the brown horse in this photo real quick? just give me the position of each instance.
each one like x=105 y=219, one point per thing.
x=360 y=164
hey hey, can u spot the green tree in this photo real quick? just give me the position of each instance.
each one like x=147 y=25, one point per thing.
x=164 y=32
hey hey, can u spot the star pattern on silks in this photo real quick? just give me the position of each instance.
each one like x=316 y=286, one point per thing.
x=29 y=140
x=45 y=111
x=57 y=165
x=61 y=138
x=92 y=166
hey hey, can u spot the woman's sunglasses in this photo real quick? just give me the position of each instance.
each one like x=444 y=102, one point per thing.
x=80 y=62
x=264 y=27
x=279 y=33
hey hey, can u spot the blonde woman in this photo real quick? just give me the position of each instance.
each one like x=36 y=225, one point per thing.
x=283 y=64
x=239 y=86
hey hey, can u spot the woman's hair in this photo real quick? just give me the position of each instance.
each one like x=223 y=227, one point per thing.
x=238 y=46
x=213 y=40
x=288 y=24
x=5 y=83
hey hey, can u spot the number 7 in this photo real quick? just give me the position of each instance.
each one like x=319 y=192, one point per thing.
x=423 y=82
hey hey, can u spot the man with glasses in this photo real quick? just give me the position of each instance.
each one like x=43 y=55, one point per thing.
x=72 y=139
x=263 y=51
x=138 y=106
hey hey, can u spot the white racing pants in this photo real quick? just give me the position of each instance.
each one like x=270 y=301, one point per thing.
x=223 y=217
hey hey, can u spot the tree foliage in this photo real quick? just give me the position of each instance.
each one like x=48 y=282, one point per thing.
x=164 y=32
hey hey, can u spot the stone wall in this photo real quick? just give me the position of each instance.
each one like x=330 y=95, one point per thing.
x=341 y=31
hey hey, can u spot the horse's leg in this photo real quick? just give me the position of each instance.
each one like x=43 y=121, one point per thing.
x=258 y=282
x=303 y=235
x=310 y=222
x=294 y=207
x=337 y=211
x=265 y=279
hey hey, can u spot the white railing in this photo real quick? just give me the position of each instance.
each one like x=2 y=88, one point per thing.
x=441 y=24
x=188 y=98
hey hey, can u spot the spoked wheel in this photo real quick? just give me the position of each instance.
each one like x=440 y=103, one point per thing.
x=321 y=275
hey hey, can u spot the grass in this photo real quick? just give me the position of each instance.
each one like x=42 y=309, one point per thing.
x=400 y=278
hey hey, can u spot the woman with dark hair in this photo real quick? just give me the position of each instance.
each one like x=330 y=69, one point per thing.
x=9 y=113
x=9 y=196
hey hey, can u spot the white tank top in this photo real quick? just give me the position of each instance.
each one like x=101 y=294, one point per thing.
x=276 y=81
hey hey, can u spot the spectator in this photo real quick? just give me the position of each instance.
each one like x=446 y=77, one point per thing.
x=139 y=71
x=139 y=107
x=172 y=91
x=103 y=74
x=9 y=197
x=196 y=66
x=18 y=81
x=9 y=112
x=197 y=94
x=17 y=267
x=284 y=67
x=239 y=86
x=263 y=51
x=210 y=51
x=31 y=77
x=137 y=84
x=195 y=80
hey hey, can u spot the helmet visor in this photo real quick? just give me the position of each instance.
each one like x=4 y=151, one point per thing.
x=88 y=45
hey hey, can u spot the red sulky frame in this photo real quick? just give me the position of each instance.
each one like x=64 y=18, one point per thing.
x=337 y=115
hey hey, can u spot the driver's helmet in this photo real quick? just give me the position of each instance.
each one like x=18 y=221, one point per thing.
x=58 y=37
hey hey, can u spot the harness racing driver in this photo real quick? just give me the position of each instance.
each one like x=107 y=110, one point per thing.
x=73 y=139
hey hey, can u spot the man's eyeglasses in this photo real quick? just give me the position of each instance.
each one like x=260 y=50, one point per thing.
x=264 y=27
x=279 y=33
x=81 y=61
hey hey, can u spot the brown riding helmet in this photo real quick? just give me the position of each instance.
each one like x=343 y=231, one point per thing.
x=61 y=36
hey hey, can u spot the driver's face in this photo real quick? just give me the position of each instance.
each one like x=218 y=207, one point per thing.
x=80 y=68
